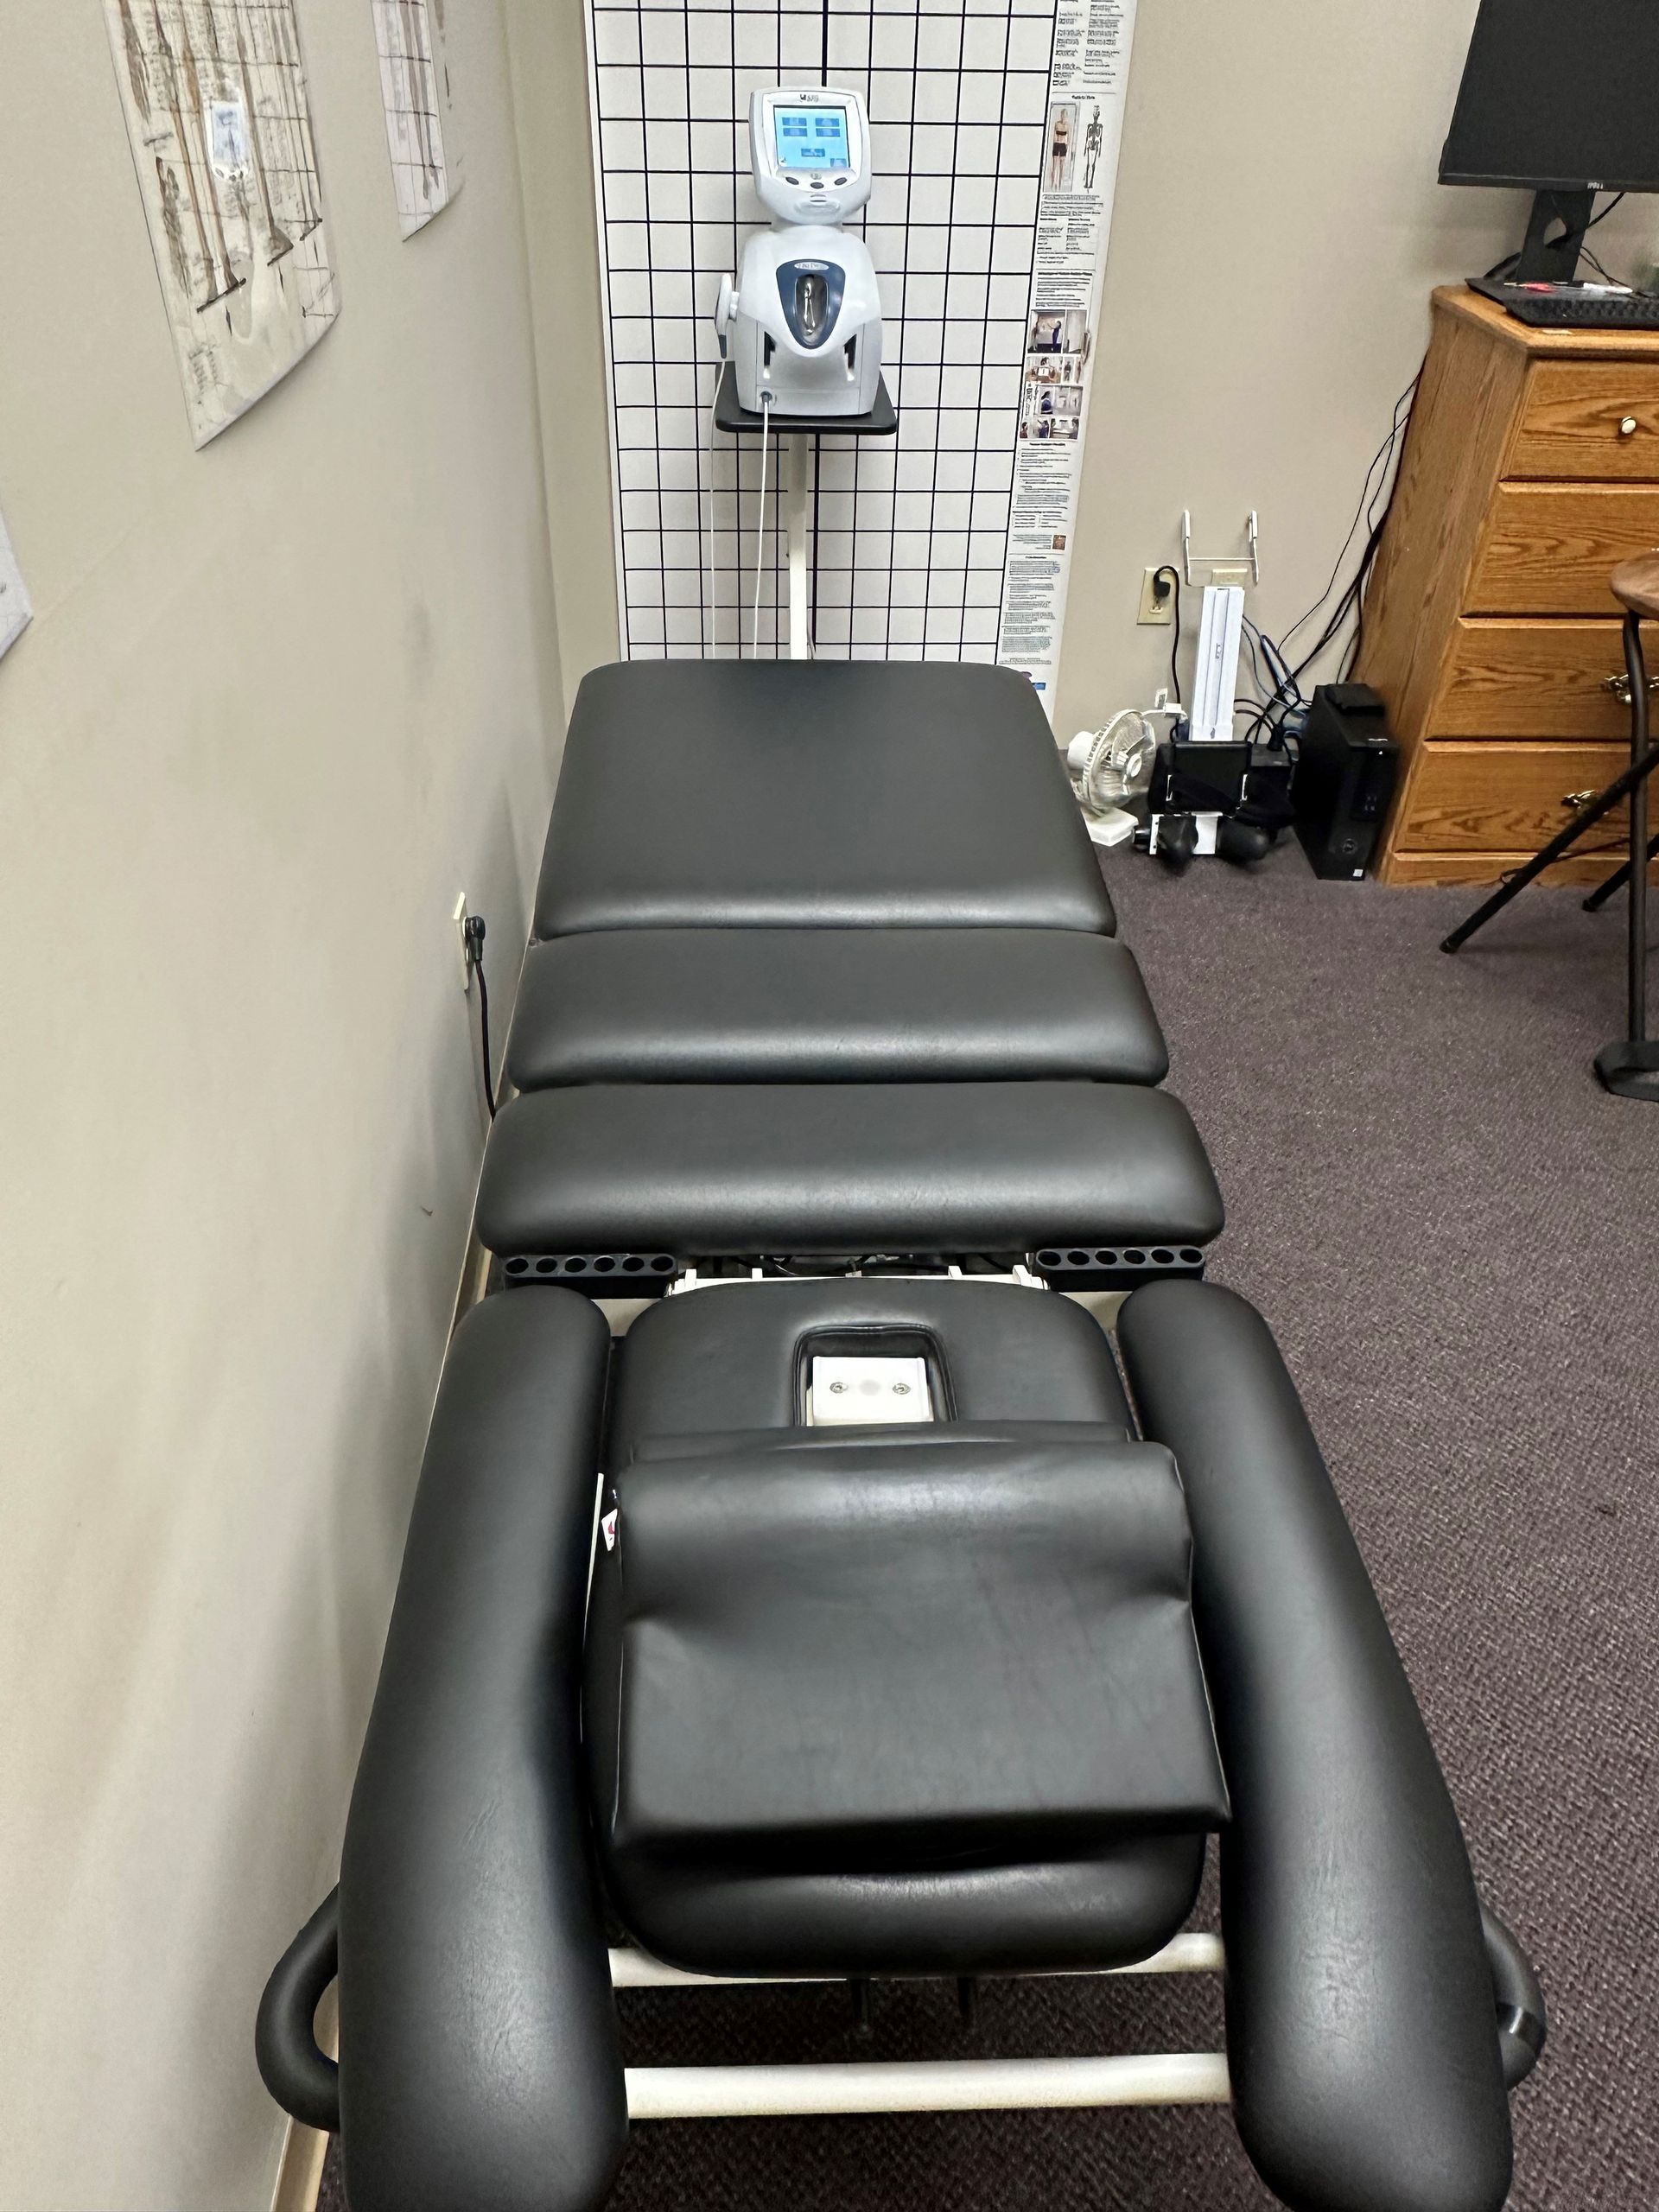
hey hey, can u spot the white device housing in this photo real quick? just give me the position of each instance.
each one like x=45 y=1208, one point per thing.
x=803 y=326
x=1221 y=636
x=807 y=325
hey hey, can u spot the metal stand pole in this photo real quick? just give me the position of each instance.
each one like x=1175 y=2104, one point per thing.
x=1638 y=1024
x=1629 y=1067
x=798 y=502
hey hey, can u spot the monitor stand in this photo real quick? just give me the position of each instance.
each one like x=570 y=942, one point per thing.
x=1555 y=261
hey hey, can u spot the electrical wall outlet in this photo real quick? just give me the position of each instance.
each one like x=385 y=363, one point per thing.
x=459 y=920
x=1157 y=599
x=1232 y=572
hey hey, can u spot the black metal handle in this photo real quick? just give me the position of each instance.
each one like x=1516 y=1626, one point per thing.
x=301 y=2078
x=1523 y=2022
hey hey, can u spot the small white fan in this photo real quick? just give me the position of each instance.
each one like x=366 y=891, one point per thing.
x=1109 y=766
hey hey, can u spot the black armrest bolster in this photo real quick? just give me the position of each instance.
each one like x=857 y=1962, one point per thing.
x=1361 y=2024
x=478 y=2056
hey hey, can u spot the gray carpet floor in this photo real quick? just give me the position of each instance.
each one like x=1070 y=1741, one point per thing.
x=1452 y=1231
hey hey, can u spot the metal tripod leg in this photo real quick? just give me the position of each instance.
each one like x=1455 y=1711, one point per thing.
x=1617 y=881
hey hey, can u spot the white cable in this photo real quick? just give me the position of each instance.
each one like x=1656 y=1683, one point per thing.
x=759 y=532
x=708 y=528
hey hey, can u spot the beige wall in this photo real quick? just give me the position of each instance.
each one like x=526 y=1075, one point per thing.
x=282 y=700
x=555 y=158
x=1279 y=229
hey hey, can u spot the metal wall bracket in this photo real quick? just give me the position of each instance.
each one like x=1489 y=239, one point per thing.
x=1191 y=562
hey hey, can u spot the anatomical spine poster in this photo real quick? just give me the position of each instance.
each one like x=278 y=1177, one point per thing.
x=420 y=123
x=219 y=120
x=1088 y=81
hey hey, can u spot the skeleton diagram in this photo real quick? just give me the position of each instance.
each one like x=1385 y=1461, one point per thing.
x=1094 y=139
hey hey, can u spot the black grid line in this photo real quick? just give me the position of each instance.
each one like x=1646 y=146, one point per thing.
x=911 y=535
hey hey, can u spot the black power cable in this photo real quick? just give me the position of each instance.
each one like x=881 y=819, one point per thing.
x=1288 y=691
x=1174 y=575
x=472 y=937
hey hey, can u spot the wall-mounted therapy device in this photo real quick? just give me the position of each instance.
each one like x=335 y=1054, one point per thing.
x=804 y=325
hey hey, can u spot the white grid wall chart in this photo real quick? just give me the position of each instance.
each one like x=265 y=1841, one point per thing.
x=912 y=534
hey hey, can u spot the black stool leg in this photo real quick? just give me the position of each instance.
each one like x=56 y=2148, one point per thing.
x=1634 y=780
x=1629 y=1068
x=1617 y=881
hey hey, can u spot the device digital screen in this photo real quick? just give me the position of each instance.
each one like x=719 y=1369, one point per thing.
x=812 y=137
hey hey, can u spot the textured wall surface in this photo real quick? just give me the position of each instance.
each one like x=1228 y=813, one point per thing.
x=281 y=700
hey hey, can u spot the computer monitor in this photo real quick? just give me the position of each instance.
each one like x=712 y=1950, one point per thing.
x=1559 y=97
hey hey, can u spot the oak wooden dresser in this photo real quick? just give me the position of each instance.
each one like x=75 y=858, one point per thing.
x=1531 y=470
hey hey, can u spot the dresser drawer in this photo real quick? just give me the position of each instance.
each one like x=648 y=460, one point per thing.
x=1549 y=548
x=1505 y=797
x=1574 y=421
x=1534 y=679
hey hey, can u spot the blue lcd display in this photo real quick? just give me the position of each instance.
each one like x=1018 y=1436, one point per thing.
x=812 y=138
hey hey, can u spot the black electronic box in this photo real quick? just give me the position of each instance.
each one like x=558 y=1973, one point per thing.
x=1345 y=780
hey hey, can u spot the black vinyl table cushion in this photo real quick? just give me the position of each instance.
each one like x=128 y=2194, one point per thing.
x=903 y=1650
x=704 y=1171
x=721 y=794
x=832 y=1005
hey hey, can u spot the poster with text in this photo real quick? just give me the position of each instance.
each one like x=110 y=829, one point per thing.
x=415 y=90
x=1088 y=82
x=219 y=117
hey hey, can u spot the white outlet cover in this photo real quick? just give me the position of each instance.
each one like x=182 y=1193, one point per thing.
x=459 y=918
x=848 y=1393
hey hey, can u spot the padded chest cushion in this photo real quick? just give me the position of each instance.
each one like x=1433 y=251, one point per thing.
x=832 y=1005
x=707 y=1170
x=720 y=794
x=899 y=1659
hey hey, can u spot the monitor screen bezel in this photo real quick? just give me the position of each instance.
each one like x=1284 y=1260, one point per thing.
x=1512 y=181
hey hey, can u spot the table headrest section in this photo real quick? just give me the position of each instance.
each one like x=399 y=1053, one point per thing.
x=704 y=1171
x=880 y=1657
x=858 y=795
x=833 y=1006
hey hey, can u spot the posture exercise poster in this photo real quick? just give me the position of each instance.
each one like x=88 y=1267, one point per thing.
x=1088 y=80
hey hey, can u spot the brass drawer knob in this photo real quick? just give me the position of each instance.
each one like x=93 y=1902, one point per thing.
x=1620 y=686
x=1629 y=427
x=1576 y=799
